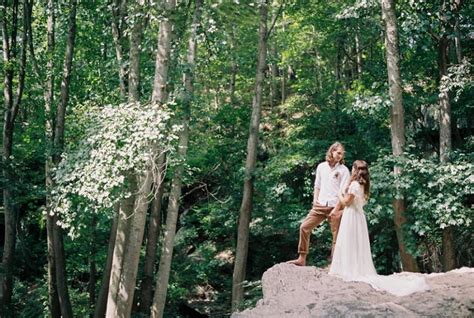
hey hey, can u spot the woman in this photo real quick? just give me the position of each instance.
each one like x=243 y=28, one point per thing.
x=352 y=260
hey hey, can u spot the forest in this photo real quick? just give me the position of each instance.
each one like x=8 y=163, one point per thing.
x=158 y=156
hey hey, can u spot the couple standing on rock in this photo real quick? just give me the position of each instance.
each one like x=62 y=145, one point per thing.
x=339 y=197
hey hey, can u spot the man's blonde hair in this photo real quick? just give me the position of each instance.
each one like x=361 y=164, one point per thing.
x=334 y=146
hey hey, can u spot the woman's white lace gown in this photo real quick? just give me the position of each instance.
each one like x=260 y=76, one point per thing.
x=352 y=259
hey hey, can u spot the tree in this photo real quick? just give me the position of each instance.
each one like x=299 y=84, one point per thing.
x=12 y=104
x=57 y=277
x=159 y=299
x=131 y=219
x=119 y=10
x=397 y=125
x=252 y=144
x=445 y=134
x=101 y=301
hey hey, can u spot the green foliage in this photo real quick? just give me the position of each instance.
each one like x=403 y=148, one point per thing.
x=436 y=194
x=31 y=299
x=327 y=98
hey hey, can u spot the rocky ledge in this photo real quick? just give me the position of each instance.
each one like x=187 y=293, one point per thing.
x=292 y=291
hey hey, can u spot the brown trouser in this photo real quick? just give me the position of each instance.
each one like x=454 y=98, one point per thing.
x=315 y=217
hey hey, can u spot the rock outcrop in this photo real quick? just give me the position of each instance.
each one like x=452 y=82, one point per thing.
x=292 y=291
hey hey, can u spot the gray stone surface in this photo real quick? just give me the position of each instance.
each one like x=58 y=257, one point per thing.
x=293 y=291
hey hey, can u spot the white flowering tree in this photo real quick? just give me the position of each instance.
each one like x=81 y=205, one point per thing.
x=119 y=141
x=115 y=161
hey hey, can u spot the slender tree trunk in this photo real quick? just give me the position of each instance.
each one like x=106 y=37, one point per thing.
x=283 y=70
x=159 y=299
x=397 y=122
x=445 y=104
x=318 y=72
x=118 y=259
x=53 y=296
x=134 y=242
x=36 y=69
x=161 y=287
x=92 y=264
x=445 y=147
x=457 y=41
x=283 y=85
x=57 y=143
x=358 y=53
x=61 y=274
x=445 y=134
x=54 y=302
x=338 y=82
x=273 y=76
x=252 y=144
x=136 y=35
x=146 y=288
x=118 y=6
x=233 y=66
x=11 y=107
x=101 y=303
x=338 y=64
x=115 y=253
x=65 y=84
x=133 y=215
x=160 y=94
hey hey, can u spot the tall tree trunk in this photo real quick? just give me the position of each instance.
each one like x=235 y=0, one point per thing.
x=146 y=287
x=118 y=258
x=57 y=145
x=48 y=103
x=283 y=84
x=134 y=240
x=457 y=41
x=159 y=94
x=283 y=70
x=358 y=52
x=133 y=215
x=445 y=147
x=92 y=264
x=273 y=75
x=101 y=303
x=252 y=144
x=233 y=66
x=161 y=288
x=118 y=8
x=12 y=104
x=136 y=35
x=159 y=299
x=396 y=121
x=445 y=134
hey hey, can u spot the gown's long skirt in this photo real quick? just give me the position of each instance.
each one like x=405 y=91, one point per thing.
x=352 y=259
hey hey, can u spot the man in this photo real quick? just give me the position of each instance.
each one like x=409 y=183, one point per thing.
x=331 y=178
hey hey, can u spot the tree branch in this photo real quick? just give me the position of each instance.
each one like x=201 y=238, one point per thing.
x=280 y=9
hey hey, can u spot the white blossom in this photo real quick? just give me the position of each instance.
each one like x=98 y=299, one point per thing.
x=119 y=140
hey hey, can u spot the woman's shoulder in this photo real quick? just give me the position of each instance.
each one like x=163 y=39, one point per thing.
x=354 y=183
x=354 y=187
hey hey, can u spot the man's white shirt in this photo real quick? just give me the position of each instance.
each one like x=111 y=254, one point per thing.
x=330 y=181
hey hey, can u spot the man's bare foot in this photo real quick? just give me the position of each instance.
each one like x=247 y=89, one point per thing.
x=300 y=261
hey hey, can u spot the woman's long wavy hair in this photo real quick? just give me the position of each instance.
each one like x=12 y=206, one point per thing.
x=361 y=175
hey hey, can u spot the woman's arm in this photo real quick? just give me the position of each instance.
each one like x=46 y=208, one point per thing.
x=346 y=199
